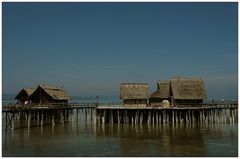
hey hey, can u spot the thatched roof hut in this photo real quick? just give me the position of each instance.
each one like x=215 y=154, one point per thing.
x=24 y=95
x=49 y=94
x=188 y=88
x=179 y=90
x=134 y=91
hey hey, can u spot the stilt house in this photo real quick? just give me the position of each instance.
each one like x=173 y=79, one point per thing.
x=179 y=91
x=23 y=95
x=49 y=94
x=134 y=94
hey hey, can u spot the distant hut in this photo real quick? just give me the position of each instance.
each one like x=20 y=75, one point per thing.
x=187 y=90
x=23 y=96
x=49 y=94
x=162 y=93
x=134 y=93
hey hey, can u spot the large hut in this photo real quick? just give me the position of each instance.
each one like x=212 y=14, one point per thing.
x=23 y=96
x=134 y=93
x=188 y=90
x=179 y=91
x=45 y=94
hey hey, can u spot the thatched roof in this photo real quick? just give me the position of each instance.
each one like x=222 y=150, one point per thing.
x=156 y=94
x=188 y=88
x=26 y=92
x=55 y=92
x=163 y=90
x=134 y=91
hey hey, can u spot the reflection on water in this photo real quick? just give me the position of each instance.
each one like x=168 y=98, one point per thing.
x=86 y=139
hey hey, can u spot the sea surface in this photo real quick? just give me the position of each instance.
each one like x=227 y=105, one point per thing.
x=82 y=138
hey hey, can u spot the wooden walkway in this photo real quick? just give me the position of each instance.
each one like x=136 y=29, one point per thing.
x=207 y=113
x=43 y=114
x=39 y=115
x=29 y=107
x=177 y=107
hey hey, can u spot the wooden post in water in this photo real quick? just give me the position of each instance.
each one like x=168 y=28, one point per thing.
x=149 y=116
x=38 y=114
x=77 y=114
x=41 y=119
x=94 y=116
x=132 y=117
x=111 y=116
x=176 y=117
x=105 y=116
x=172 y=116
x=62 y=116
x=91 y=115
x=85 y=114
x=187 y=116
x=118 y=117
x=152 y=117
x=125 y=117
x=53 y=123
x=29 y=119
x=12 y=120
x=136 y=117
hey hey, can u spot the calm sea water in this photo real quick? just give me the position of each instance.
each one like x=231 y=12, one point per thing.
x=82 y=138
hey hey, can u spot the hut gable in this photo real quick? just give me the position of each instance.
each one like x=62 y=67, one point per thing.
x=163 y=90
x=188 y=88
x=134 y=91
x=25 y=93
x=55 y=92
x=49 y=94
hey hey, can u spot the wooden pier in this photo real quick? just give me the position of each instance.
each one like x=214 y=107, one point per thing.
x=39 y=115
x=208 y=113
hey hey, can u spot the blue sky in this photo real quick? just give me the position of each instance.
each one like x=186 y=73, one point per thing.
x=91 y=48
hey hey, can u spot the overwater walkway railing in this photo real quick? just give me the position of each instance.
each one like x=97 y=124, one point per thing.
x=21 y=107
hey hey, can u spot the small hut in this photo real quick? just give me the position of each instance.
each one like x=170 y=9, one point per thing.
x=187 y=90
x=162 y=93
x=23 y=96
x=49 y=94
x=134 y=93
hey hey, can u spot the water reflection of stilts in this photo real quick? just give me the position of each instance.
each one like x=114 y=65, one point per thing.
x=168 y=139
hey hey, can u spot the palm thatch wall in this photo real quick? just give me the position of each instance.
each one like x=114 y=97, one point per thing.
x=49 y=94
x=134 y=93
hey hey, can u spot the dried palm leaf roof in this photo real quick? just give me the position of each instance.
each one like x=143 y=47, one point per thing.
x=163 y=90
x=55 y=92
x=27 y=91
x=156 y=94
x=188 y=88
x=134 y=91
